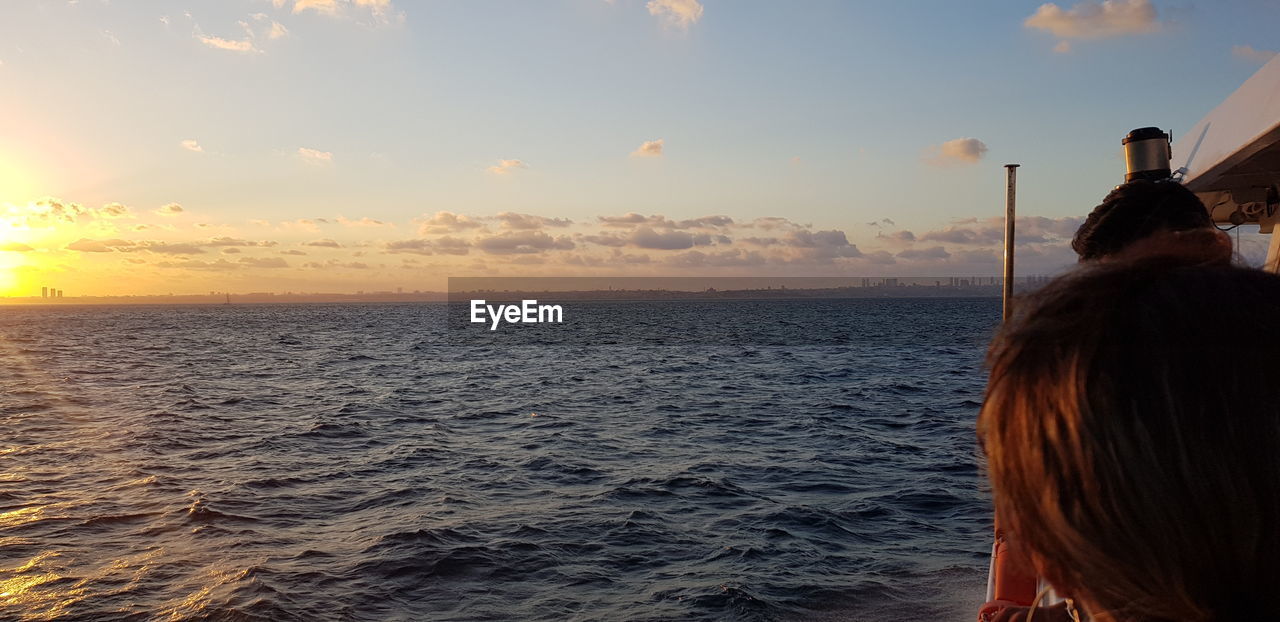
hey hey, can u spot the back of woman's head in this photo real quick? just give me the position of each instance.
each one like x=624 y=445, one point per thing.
x=1132 y=430
x=1135 y=210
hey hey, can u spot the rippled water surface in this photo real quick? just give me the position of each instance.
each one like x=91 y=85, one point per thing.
x=346 y=462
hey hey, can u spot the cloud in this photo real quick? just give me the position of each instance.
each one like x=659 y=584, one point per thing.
x=512 y=220
x=231 y=45
x=898 y=236
x=263 y=262
x=990 y=231
x=1063 y=47
x=605 y=239
x=645 y=237
x=315 y=156
x=321 y=6
x=447 y=222
x=649 y=149
x=1095 y=20
x=15 y=247
x=957 y=151
x=927 y=254
x=966 y=235
x=445 y=245
x=195 y=264
x=816 y=239
x=85 y=245
x=504 y=167
x=976 y=256
x=171 y=248
x=292 y=251
x=334 y=7
x=819 y=246
x=721 y=259
x=49 y=212
x=325 y=243
x=1252 y=54
x=451 y=246
x=114 y=210
x=229 y=241
x=632 y=219
x=277 y=31
x=881 y=257
x=676 y=13
x=770 y=223
x=523 y=242
x=171 y=209
x=363 y=222
x=706 y=222
x=190 y=144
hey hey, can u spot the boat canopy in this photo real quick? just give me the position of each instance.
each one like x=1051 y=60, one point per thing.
x=1231 y=158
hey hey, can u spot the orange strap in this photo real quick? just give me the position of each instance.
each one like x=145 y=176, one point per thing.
x=1014 y=579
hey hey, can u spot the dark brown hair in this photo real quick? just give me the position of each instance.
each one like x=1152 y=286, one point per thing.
x=1135 y=210
x=1132 y=432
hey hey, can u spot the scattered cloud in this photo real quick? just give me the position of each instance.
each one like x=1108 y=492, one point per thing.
x=263 y=262
x=990 y=231
x=190 y=144
x=315 y=156
x=1063 y=47
x=522 y=242
x=114 y=210
x=512 y=220
x=15 y=247
x=171 y=209
x=445 y=245
x=632 y=219
x=168 y=248
x=324 y=243
x=649 y=149
x=447 y=222
x=645 y=237
x=363 y=222
x=85 y=245
x=934 y=253
x=231 y=45
x=230 y=241
x=903 y=236
x=1252 y=54
x=957 y=151
x=504 y=167
x=676 y=13
x=321 y=6
x=1095 y=20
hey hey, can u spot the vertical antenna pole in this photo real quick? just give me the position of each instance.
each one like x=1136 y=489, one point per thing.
x=1010 y=215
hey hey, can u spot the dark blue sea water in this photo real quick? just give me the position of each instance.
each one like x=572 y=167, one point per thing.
x=347 y=462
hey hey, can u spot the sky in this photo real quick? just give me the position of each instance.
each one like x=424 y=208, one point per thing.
x=190 y=146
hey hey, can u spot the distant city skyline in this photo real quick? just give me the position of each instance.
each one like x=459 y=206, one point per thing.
x=342 y=145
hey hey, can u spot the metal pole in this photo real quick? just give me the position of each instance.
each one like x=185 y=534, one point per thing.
x=1010 y=200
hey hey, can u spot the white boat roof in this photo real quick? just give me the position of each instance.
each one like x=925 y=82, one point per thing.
x=1236 y=147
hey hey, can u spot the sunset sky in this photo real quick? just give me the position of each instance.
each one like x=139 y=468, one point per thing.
x=339 y=145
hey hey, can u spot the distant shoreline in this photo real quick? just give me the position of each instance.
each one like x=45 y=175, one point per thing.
x=900 y=291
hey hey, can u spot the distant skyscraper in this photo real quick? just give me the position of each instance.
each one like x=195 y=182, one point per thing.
x=44 y=292
x=59 y=293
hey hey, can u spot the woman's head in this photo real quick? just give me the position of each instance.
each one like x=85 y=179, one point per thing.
x=1132 y=431
x=1135 y=211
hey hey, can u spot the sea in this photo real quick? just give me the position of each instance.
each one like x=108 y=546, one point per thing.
x=728 y=460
